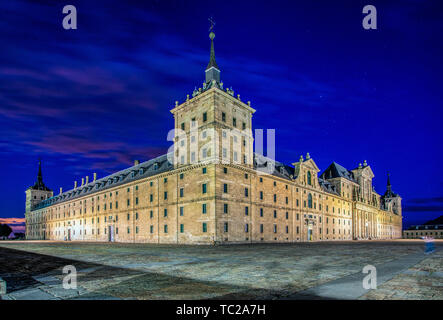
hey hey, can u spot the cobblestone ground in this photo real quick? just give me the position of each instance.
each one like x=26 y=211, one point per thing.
x=423 y=281
x=33 y=270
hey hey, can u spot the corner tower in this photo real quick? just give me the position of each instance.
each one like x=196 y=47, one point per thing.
x=213 y=125
x=38 y=192
x=391 y=200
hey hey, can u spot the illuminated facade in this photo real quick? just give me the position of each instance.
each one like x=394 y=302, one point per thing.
x=212 y=188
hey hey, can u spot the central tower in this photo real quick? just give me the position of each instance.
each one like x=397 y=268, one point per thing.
x=214 y=125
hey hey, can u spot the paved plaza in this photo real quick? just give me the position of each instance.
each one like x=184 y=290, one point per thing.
x=318 y=270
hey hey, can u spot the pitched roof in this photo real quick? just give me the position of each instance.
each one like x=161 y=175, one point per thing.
x=273 y=167
x=337 y=171
x=142 y=170
x=327 y=186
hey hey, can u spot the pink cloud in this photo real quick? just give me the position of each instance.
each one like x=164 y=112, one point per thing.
x=16 y=224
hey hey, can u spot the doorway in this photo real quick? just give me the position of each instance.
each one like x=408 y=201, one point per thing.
x=309 y=234
x=111 y=233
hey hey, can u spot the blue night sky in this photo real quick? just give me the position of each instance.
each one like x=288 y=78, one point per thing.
x=96 y=98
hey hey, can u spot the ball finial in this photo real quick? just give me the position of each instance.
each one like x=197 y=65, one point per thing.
x=212 y=35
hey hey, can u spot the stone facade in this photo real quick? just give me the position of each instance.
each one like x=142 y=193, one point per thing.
x=211 y=188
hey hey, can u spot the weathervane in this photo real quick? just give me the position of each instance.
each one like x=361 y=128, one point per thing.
x=212 y=22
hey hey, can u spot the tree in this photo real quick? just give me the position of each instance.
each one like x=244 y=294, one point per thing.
x=5 y=230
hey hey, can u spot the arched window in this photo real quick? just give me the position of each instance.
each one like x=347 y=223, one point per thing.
x=309 y=200
x=309 y=177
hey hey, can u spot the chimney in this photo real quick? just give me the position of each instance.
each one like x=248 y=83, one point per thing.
x=83 y=181
x=61 y=190
x=136 y=162
x=75 y=184
x=87 y=179
x=95 y=176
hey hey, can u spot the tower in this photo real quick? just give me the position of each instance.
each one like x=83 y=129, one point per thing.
x=391 y=200
x=213 y=125
x=38 y=192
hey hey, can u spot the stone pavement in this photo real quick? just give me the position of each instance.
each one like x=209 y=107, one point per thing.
x=319 y=270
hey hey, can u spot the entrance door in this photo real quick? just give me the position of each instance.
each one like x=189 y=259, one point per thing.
x=309 y=234
x=111 y=233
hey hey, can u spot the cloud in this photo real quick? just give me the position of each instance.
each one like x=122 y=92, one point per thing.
x=16 y=224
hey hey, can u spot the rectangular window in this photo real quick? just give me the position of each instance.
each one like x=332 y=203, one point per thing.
x=261 y=212
x=261 y=228
x=225 y=170
x=246 y=211
x=136 y=201
x=151 y=229
x=181 y=176
x=204 y=208
x=165 y=228
x=275 y=213
x=204 y=188
x=234 y=122
x=225 y=188
x=287 y=215
x=205 y=116
x=261 y=195
x=151 y=197
x=129 y=217
x=204 y=227
x=225 y=227
x=128 y=202
x=181 y=192
x=136 y=216
x=246 y=192
x=275 y=228
x=165 y=195
x=287 y=229
x=246 y=227
x=204 y=170
x=225 y=208
x=275 y=198
x=165 y=212
x=182 y=228
x=151 y=214
x=223 y=117
x=182 y=211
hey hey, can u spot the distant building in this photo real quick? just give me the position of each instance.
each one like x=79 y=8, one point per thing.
x=433 y=228
x=217 y=189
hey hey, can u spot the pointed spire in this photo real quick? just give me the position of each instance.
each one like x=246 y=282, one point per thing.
x=212 y=62
x=39 y=185
x=389 y=180
x=212 y=71
x=39 y=175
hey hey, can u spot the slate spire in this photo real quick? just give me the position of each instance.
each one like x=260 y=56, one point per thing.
x=39 y=175
x=212 y=71
x=39 y=184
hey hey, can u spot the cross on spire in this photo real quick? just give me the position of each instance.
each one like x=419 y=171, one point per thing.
x=212 y=22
